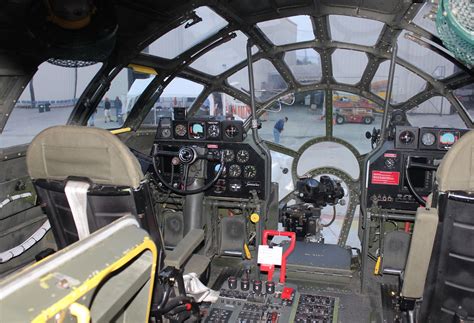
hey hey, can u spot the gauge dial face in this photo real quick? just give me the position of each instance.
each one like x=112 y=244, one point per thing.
x=231 y=131
x=406 y=137
x=165 y=133
x=235 y=171
x=218 y=167
x=229 y=155
x=213 y=131
x=250 y=171
x=243 y=156
x=428 y=139
x=180 y=130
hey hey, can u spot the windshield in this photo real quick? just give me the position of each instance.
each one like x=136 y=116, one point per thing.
x=46 y=101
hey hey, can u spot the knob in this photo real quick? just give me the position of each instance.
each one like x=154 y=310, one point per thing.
x=270 y=287
x=232 y=282
x=244 y=284
x=257 y=286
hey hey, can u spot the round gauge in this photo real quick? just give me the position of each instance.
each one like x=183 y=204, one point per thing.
x=180 y=130
x=243 y=156
x=213 y=131
x=218 y=167
x=428 y=139
x=165 y=133
x=250 y=171
x=231 y=131
x=229 y=155
x=406 y=137
x=235 y=171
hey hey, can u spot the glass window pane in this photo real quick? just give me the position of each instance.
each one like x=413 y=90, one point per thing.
x=348 y=65
x=354 y=116
x=305 y=64
x=405 y=83
x=335 y=155
x=465 y=95
x=355 y=30
x=46 y=101
x=181 y=38
x=435 y=112
x=268 y=82
x=426 y=17
x=281 y=164
x=224 y=107
x=305 y=120
x=223 y=57
x=288 y=30
x=422 y=57
x=179 y=93
x=124 y=91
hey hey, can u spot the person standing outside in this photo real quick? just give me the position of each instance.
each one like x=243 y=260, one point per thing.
x=107 y=110
x=278 y=128
x=118 y=108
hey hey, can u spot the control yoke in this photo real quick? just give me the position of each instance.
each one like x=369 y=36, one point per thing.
x=186 y=156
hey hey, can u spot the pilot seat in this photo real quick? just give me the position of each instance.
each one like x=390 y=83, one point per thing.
x=440 y=265
x=86 y=178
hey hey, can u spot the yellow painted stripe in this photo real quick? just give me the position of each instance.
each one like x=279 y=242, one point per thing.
x=142 y=69
x=121 y=130
x=94 y=281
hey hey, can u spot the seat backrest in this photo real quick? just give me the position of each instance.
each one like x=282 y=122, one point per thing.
x=449 y=289
x=60 y=158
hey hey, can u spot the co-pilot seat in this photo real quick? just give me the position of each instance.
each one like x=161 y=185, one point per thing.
x=86 y=178
x=440 y=265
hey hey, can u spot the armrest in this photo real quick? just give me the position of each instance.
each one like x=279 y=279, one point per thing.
x=184 y=249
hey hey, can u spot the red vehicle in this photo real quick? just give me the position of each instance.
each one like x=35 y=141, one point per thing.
x=354 y=115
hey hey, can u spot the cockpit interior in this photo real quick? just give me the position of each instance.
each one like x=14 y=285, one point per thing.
x=237 y=161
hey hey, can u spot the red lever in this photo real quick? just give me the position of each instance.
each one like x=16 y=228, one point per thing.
x=271 y=268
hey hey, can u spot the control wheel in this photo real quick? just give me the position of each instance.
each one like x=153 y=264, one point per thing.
x=186 y=156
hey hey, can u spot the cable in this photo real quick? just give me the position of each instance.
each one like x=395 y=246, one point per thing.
x=333 y=218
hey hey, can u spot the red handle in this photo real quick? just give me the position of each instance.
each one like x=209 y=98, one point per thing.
x=292 y=236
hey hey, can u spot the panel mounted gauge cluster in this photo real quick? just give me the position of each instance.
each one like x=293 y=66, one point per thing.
x=243 y=171
x=201 y=130
x=439 y=138
x=426 y=138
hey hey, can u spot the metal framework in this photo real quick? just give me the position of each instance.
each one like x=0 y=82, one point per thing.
x=319 y=12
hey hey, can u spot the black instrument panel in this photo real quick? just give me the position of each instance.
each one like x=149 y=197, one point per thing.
x=244 y=171
x=387 y=182
x=440 y=139
x=244 y=168
x=228 y=131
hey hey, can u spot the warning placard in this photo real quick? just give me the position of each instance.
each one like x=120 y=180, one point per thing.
x=385 y=178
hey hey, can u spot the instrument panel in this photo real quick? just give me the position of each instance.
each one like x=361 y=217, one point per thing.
x=440 y=139
x=387 y=179
x=244 y=168
x=230 y=131
x=243 y=172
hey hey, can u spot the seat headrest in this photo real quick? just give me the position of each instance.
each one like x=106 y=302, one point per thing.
x=456 y=171
x=62 y=151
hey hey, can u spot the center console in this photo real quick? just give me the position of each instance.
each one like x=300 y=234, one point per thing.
x=244 y=300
